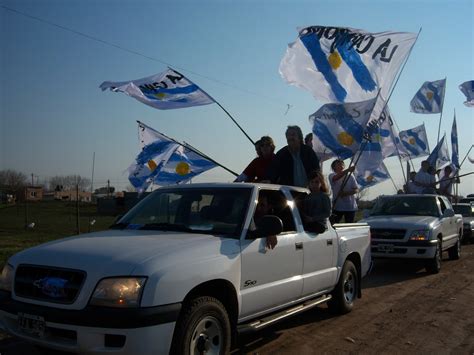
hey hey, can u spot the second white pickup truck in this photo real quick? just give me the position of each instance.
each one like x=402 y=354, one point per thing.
x=182 y=272
x=415 y=227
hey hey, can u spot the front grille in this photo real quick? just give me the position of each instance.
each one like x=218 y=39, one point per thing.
x=377 y=233
x=48 y=283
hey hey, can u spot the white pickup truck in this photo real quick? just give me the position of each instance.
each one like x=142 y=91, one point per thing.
x=415 y=227
x=183 y=272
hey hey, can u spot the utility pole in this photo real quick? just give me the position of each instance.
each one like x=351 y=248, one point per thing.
x=32 y=182
x=26 y=207
x=77 y=210
x=108 y=188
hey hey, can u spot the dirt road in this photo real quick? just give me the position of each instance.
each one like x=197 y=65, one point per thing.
x=403 y=310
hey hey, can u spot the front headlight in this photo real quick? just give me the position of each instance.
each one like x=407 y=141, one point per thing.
x=6 y=279
x=122 y=292
x=420 y=235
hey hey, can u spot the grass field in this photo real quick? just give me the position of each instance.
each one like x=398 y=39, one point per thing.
x=52 y=219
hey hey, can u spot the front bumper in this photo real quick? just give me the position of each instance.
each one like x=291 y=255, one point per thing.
x=404 y=250
x=95 y=330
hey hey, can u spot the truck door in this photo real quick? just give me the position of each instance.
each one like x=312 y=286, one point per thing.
x=271 y=278
x=319 y=270
x=449 y=226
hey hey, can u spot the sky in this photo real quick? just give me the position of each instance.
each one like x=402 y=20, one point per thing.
x=55 y=54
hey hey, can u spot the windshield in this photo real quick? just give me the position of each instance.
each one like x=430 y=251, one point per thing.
x=219 y=211
x=466 y=211
x=406 y=206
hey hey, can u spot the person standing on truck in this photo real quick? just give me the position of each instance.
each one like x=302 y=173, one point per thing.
x=424 y=181
x=317 y=205
x=257 y=170
x=294 y=162
x=446 y=183
x=344 y=202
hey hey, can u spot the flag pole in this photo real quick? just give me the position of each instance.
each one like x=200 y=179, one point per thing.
x=442 y=108
x=186 y=145
x=218 y=104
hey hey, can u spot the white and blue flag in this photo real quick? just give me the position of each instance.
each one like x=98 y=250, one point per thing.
x=454 y=144
x=415 y=141
x=439 y=157
x=430 y=97
x=467 y=89
x=165 y=91
x=339 y=64
x=156 y=150
x=182 y=166
x=368 y=174
x=339 y=128
x=163 y=161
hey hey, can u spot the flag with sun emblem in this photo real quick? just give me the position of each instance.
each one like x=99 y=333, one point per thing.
x=430 y=97
x=368 y=175
x=156 y=150
x=339 y=128
x=415 y=141
x=339 y=64
x=164 y=91
x=439 y=157
x=182 y=166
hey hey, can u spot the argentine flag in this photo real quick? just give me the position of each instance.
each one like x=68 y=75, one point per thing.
x=415 y=141
x=339 y=64
x=164 y=91
x=368 y=174
x=439 y=157
x=182 y=166
x=430 y=97
x=339 y=128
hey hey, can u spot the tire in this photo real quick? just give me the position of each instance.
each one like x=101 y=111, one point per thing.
x=455 y=251
x=203 y=327
x=345 y=293
x=434 y=265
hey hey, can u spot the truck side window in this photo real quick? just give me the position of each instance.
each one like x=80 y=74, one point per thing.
x=442 y=205
x=280 y=208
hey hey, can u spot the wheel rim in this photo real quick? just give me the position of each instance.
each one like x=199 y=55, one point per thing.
x=207 y=337
x=349 y=287
x=458 y=248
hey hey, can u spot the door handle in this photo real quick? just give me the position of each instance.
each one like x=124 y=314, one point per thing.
x=299 y=245
x=329 y=242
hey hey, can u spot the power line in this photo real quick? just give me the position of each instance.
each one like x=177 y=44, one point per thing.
x=93 y=38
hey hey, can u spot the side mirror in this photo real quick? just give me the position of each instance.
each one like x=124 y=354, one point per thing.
x=268 y=225
x=448 y=212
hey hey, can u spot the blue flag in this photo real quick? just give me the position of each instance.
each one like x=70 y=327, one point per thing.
x=368 y=174
x=339 y=128
x=430 y=97
x=164 y=91
x=467 y=89
x=415 y=141
x=454 y=144
x=439 y=157
x=182 y=166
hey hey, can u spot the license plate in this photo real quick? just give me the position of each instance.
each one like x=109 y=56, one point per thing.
x=31 y=324
x=385 y=248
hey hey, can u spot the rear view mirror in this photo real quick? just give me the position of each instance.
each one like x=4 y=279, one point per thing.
x=448 y=212
x=270 y=225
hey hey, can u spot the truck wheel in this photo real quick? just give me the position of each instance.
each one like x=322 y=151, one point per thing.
x=434 y=265
x=204 y=327
x=455 y=251
x=345 y=293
